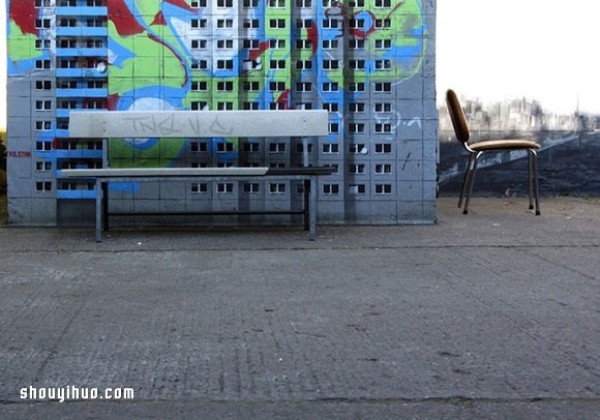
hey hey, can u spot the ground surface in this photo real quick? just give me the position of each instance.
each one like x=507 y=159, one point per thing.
x=491 y=315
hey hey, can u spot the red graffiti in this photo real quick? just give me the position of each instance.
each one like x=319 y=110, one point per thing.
x=159 y=20
x=312 y=34
x=124 y=21
x=112 y=101
x=254 y=54
x=181 y=61
x=19 y=154
x=394 y=9
x=284 y=98
x=24 y=14
x=357 y=32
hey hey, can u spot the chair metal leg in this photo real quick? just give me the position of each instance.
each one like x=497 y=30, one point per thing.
x=530 y=156
x=473 y=171
x=536 y=183
x=465 y=179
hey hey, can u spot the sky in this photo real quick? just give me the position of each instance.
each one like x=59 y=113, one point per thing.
x=500 y=49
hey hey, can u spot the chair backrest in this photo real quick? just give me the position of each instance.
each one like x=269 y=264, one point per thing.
x=461 y=129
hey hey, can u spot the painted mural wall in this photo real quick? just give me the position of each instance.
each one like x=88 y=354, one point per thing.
x=368 y=62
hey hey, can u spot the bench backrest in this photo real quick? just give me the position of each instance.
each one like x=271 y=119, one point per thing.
x=194 y=124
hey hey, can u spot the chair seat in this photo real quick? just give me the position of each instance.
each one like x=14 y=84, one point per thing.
x=482 y=146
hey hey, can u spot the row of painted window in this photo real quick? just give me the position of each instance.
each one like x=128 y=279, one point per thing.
x=353 y=107
x=252 y=44
x=280 y=188
x=248 y=44
x=281 y=147
x=102 y=103
x=283 y=3
x=69 y=3
x=228 y=187
x=254 y=86
x=328 y=64
x=72 y=22
x=306 y=44
x=202 y=86
x=72 y=84
x=247 y=23
x=353 y=64
x=303 y=87
x=282 y=23
x=226 y=147
x=219 y=3
x=71 y=42
x=353 y=168
x=223 y=64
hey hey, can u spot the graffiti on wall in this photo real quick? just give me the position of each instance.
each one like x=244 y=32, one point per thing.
x=363 y=61
x=176 y=54
x=369 y=63
x=172 y=55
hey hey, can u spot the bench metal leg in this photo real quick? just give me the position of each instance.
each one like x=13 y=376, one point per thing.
x=306 y=204
x=105 y=226
x=312 y=209
x=309 y=214
x=99 y=209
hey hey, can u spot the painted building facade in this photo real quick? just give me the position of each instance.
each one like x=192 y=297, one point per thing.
x=370 y=63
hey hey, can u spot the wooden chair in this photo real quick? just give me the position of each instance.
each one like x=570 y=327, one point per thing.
x=477 y=149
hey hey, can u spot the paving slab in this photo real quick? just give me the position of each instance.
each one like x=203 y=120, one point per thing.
x=491 y=315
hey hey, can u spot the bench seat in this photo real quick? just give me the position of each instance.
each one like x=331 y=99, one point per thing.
x=162 y=172
x=103 y=176
x=194 y=172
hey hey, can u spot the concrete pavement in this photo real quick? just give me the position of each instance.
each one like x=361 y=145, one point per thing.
x=491 y=315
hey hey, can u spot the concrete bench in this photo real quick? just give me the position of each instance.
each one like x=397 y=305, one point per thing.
x=200 y=124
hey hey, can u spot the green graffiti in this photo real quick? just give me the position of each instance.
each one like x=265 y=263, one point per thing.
x=19 y=45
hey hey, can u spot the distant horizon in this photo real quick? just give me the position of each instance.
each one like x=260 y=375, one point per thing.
x=487 y=102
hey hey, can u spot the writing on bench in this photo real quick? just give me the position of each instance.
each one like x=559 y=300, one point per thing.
x=170 y=125
x=197 y=124
x=140 y=124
